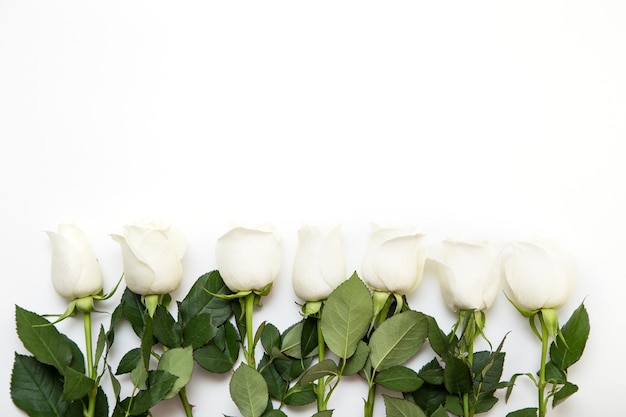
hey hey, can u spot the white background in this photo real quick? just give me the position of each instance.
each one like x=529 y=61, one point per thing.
x=475 y=119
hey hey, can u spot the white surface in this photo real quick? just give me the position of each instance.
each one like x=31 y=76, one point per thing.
x=486 y=119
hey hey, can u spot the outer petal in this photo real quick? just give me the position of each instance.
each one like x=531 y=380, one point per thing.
x=318 y=264
x=468 y=277
x=90 y=280
x=393 y=260
x=65 y=268
x=75 y=270
x=138 y=275
x=153 y=248
x=248 y=259
x=538 y=275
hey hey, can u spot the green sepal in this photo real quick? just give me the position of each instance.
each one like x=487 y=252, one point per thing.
x=311 y=308
x=380 y=299
x=69 y=312
x=551 y=320
x=240 y=294
x=523 y=311
x=151 y=301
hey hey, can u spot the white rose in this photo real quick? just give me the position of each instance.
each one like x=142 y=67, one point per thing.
x=394 y=260
x=468 y=275
x=318 y=266
x=75 y=270
x=151 y=253
x=538 y=275
x=248 y=258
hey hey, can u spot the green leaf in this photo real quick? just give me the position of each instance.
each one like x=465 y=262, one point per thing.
x=457 y=377
x=440 y=412
x=178 y=362
x=308 y=339
x=100 y=345
x=200 y=300
x=300 y=395
x=399 y=378
x=487 y=368
x=357 y=361
x=430 y=397
x=454 y=405
x=439 y=341
x=575 y=332
x=432 y=372
x=78 y=360
x=485 y=403
x=292 y=368
x=102 y=404
x=276 y=385
x=524 y=412
x=199 y=331
x=211 y=358
x=397 y=339
x=222 y=352
x=346 y=316
x=270 y=338
x=554 y=374
x=397 y=407
x=147 y=341
x=37 y=388
x=291 y=340
x=325 y=413
x=275 y=413
x=129 y=361
x=165 y=328
x=248 y=391
x=43 y=339
x=133 y=310
x=562 y=394
x=319 y=370
x=76 y=385
x=159 y=382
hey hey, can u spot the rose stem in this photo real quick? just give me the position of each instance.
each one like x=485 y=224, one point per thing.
x=321 y=383
x=249 y=309
x=542 y=370
x=90 y=412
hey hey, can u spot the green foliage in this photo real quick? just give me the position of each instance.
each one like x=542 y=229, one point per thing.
x=178 y=362
x=566 y=352
x=457 y=377
x=457 y=380
x=397 y=339
x=201 y=299
x=346 y=317
x=357 y=361
x=525 y=412
x=248 y=391
x=37 y=388
x=399 y=378
x=397 y=407
x=43 y=339
x=76 y=385
x=319 y=370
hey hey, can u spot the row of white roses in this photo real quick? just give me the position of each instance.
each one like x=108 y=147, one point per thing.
x=537 y=275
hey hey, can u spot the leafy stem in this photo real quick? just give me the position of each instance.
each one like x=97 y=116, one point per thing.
x=248 y=312
x=182 y=394
x=320 y=390
x=91 y=369
x=371 y=396
x=541 y=384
